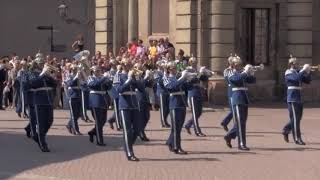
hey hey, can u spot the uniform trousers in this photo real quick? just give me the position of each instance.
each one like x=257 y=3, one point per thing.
x=75 y=112
x=196 y=109
x=164 y=108
x=44 y=119
x=295 y=114
x=100 y=117
x=177 y=120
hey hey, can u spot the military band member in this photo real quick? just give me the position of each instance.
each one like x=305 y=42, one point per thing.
x=162 y=93
x=43 y=88
x=294 y=80
x=98 y=86
x=143 y=99
x=74 y=94
x=195 y=96
x=32 y=73
x=238 y=80
x=21 y=76
x=128 y=106
x=226 y=73
x=177 y=105
x=116 y=117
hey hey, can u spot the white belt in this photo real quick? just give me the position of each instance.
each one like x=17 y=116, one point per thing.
x=42 y=89
x=240 y=89
x=98 y=92
x=177 y=93
x=295 y=87
x=129 y=93
x=73 y=88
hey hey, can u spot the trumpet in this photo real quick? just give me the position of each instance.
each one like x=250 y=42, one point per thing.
x=314 y=68
x=51 y=68
x=137 y=72
x=258 y=68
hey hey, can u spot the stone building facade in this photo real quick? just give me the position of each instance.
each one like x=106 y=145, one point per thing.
x=260 y=31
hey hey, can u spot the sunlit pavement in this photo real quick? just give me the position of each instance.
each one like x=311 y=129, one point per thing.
x=74 y=157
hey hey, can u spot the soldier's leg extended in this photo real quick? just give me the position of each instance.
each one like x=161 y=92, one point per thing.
x=180 y=115
x=127 y=120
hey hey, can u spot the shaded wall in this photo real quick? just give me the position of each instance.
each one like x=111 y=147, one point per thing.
x=19 y=20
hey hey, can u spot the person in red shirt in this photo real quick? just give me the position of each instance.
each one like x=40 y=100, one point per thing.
x=133 y=48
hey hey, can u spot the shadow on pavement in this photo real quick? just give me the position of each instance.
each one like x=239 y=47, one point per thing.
x=180 y=159
x=18 y=153
x=286 y=149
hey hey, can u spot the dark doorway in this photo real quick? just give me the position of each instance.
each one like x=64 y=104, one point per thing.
x=255 y=35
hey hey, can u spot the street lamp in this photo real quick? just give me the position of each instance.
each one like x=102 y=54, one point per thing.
x=63 y=9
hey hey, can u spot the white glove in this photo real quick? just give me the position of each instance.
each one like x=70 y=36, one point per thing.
x=306 y=68
x=130 y=73
x=184 y=74
x=44 y=71
x=202 y=70
x=176 y=61
x=147 y=75
x=247 y=68
x=106 y=74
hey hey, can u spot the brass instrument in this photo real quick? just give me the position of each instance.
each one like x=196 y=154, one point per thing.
x=50 y=68
x=258 y=68
x=137 y=72
x=314 y=68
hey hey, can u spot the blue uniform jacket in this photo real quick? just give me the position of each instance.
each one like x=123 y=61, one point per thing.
x=73 y=85
x=158 y=76
x=226 y=73
x=176 y=88
x=28 y=94
x=98 y=91
x=142 y=96
x=294 y=80
x=239 y=80
x=43 y=89
x=116 y=82
x=127 y=93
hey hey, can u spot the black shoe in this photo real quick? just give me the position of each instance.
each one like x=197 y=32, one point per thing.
x=200 y=134
x=188 y=130
x=225 y=128
x=19 y=114
x=180 y=151
x=171 y=148
x=69 y=129
x=101 y=144
x=286 y=137
x=28 y=133
x=300 y=142
x=228 y=142
x=244 y=148
x=91 y=137
x=111 y=125
x=78 y=133
x=144 y=137
x=166 y=125
x=87 y=120
x=2 y=109
x=133 y=158
x=45 y=149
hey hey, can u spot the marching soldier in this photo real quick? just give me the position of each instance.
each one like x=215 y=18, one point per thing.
x=115 y=95
x=98 y=86
x=294 y=80
x=43 y=88
x=21 y=106
x=143 y=100
x=32 y=73
x=238 y=80
x=195 y=97
x=74 y=94
x=162 y=94
x=128 y=106
x=226 y=73
x=177 y=105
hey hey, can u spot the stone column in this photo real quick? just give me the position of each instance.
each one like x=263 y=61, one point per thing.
x=203 y=48
x=133 y=20
x=222 y=34
x=103 y=26
x=117 y=23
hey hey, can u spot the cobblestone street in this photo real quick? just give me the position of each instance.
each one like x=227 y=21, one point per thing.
x=75 y=158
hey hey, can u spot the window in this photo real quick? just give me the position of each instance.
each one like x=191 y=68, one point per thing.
x=160 y=17
x=255 y=35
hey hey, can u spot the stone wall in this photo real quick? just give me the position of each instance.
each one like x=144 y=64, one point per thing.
x=19 y=21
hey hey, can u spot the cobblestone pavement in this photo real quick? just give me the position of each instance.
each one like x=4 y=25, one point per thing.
x=73 y=157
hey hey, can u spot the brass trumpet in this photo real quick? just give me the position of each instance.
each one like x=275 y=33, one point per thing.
x=51 y=68
x=314 y=68
x=258 y=68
